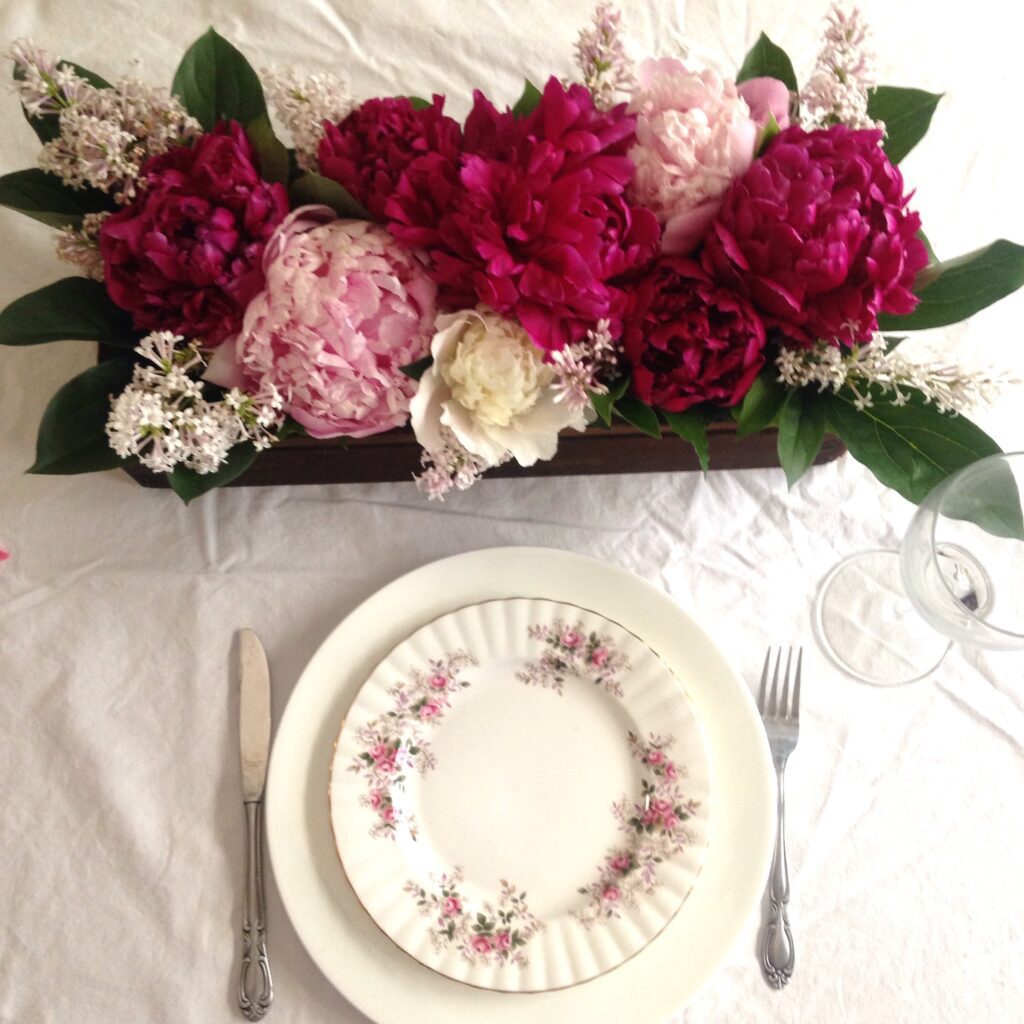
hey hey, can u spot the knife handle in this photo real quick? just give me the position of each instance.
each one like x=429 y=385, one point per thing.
x=255 y=988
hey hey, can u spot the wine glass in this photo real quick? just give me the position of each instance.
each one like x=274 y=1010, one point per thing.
x=890 y=617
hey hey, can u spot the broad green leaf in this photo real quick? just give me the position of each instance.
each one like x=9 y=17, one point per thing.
x=43 y=197
x=801 y=432
x=273 y=155
x=691 y=426
x=605 y=404
x=315 y=188
x=527 y=103
x=641 y=416
x=768 y=132
x=761 y=403
x=72 y=309
x=956 y=289
x=47 y=127
x=419 y=103
x=216 y=83
x=766 y=60
x=72 y=436
x=911 y=448
x=418 y=368
x=906 y=114
x=188 y=484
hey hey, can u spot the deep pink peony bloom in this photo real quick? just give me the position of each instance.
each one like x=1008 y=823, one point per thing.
x=186 y=255
x=690 y=340
x=368 y=151
x=817 y=235
x=535 y=224
x=344 y=308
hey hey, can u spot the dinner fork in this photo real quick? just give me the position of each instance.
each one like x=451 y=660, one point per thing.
x=782 y=724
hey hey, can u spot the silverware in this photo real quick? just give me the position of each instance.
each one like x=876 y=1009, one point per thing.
x=255 y=988
x=782 y=724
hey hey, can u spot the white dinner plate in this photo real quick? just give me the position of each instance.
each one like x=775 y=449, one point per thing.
x=520 y=795
x=363 y=963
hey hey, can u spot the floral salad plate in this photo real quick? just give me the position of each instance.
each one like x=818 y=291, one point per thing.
x=520 y=795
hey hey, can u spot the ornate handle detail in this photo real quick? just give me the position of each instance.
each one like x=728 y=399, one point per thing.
x=255 y=987
x=778 y=954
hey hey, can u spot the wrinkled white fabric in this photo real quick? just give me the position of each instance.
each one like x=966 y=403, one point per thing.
x=121 y=835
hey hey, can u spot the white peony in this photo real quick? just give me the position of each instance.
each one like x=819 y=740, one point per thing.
x=489 y=386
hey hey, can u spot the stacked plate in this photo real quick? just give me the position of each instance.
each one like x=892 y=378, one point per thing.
x=548 y=794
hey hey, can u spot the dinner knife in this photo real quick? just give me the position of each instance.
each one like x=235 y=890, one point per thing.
x=255 y=988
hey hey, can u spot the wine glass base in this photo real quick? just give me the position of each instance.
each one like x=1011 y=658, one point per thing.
x=867 y=625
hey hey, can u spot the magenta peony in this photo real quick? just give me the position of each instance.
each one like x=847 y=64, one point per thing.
x=689 y=340
x=694 y=136
x=535 y=224
x=817 y=235
x=185 y=256
x=343 y=309
x=368 y=151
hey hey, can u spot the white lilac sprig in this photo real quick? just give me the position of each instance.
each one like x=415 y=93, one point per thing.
x=837 y=92
x=584 y=367
x=81 y=246
x=304 y=104
x=106 y=134
x=164 y=418
x=862 y=368
x=450 y=466
x=601 y=58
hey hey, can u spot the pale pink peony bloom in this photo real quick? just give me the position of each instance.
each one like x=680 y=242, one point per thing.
x=695 y=135
x=344 y=307
x=766 y=97
x=451 y=906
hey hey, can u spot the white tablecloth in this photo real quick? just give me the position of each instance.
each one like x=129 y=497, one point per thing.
x=120 y=837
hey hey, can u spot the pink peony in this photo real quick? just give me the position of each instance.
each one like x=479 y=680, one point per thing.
x=689 y=340
x=481 y=943
x=694 y=136
x=600 y=657
x=369 y=150
x=186 y=255
x=343 y=309
x=818 y=237
x=451 y=906
x=535 y=225
x=766 y=97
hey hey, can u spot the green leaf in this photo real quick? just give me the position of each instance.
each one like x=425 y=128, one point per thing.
x=188 y=484
x=761 y=404
x=216 y=83
x=272 y=152
x=417 y=369
x=47 y=127
x=932 y=258
x=605 y=404
x=527 y=103
x=72 y=309
x=315 y=188
x=768 y=132
x=907 y=113
x=956 y=289
x=43 y=197
x=992 y=502
x=72 y=436
x=641 y=416
x=691 y=426
x=419 y=103
x=801 y=432
x=910 y=448
x=766 y=60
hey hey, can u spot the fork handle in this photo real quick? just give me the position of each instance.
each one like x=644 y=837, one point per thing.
x=777 y=950
x=255 y=988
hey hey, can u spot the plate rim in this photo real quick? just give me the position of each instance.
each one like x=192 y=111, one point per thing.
x=671 y=680
x=662 y=977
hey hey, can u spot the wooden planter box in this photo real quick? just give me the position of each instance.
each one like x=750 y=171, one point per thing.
x=396 y=456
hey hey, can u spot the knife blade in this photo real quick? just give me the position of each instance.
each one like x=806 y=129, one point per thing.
x=253 y=715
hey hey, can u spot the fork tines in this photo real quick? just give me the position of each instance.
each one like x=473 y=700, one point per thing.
x=768 y=702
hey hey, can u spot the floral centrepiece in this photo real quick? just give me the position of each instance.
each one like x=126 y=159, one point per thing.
x=344 y=308
x=657 y=242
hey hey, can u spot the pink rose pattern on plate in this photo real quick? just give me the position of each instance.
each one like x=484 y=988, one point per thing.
x=573 y=652
x=393 y=745
x=485 y=934
x=656 y=829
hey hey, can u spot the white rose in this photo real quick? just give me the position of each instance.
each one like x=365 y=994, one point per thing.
x=489 y=385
